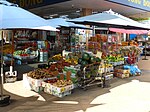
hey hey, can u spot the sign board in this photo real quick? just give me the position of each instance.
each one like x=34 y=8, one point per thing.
x=29 y=4
x=139 y=4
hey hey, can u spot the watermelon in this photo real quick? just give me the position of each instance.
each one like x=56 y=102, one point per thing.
x=85 y=56
x=83 y=63
x=98 y=59
x=92 y=59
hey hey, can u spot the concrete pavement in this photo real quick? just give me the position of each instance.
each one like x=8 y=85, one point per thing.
x=124 y=95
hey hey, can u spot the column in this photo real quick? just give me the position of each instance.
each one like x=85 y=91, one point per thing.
x=86 y=12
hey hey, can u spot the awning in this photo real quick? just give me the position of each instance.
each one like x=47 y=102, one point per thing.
x=129 y=31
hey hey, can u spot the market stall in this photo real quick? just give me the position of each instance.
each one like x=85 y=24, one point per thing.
x=106 y=57
x=14 y=17
x=69 y=38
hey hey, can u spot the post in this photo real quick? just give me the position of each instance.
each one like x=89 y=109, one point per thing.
x=93 y=32
x=12 y=52
x=2 y=78
x=145 y=51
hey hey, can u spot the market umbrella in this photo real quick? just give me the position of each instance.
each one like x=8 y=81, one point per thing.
x=110 y=19
x=62 y=22
x=14 y=17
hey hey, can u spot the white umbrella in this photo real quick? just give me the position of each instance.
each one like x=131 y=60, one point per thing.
x=14 y=17
x=61 y=22
x=110 y=19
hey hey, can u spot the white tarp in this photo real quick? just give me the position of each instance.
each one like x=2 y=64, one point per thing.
x=110 y=18
x=14 y=17
x=57 y=22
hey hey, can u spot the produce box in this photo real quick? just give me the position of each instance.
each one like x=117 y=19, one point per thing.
x=121 y=75
x=26 y=81
x=117 y=63
x=61 y=89
x=124 y=71
x=58 y=91
x=36 y=89
x=109 y=76
x=101 y=70
x=33 y=84
x=71 y=69
x=49 y=91
x=109 y=69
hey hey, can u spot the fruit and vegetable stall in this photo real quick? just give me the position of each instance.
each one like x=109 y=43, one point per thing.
x=63 y=73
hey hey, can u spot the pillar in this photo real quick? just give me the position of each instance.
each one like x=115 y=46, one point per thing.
x=86 y=12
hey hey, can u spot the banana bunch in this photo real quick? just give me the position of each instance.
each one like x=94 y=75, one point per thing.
x=57 y=57
x=72 y=61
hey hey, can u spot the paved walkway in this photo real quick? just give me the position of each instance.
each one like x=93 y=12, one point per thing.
x=124 y=95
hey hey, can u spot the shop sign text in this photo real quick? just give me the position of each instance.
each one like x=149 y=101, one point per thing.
x=141 y=4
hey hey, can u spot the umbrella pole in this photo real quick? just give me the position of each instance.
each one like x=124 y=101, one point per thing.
x=12 y=52
x=2 y=76
x=93 y=33
x=4 y=99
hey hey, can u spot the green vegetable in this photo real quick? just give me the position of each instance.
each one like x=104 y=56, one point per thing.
x=92 y=59
x=98 y=59
x=85 y=56
x=83 y=63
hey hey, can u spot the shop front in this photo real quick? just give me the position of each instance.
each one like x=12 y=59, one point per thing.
x=104 y=57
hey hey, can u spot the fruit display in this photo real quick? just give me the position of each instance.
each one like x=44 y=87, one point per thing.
x=20 y=53
x=62 y=83
x=94 y=43
x=112 y=58
x=59 y=66
x=132 y=43
x=55 y=58
x=51 y=81
x=7 y=49
x=129 y=49
x=88 y=59
x=72 y=58
x=41 y=74
x=99 y=38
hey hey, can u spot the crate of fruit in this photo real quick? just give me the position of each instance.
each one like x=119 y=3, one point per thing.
x=58 y=87
x=121 y=75
x=62 y=89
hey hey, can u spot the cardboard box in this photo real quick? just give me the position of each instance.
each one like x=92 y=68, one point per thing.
x=109 y=77
x=58 y=91
x=36 y=85
x=62 y=89
x=26 y=83
x=121 y=75
x=36 y=89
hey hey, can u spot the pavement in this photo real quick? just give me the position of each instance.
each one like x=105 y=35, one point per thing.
x=124 y=95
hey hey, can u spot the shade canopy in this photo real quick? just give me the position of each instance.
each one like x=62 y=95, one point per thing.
x=110 y=19
x=128 y=31
x=62 y=22
x=14 y=17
